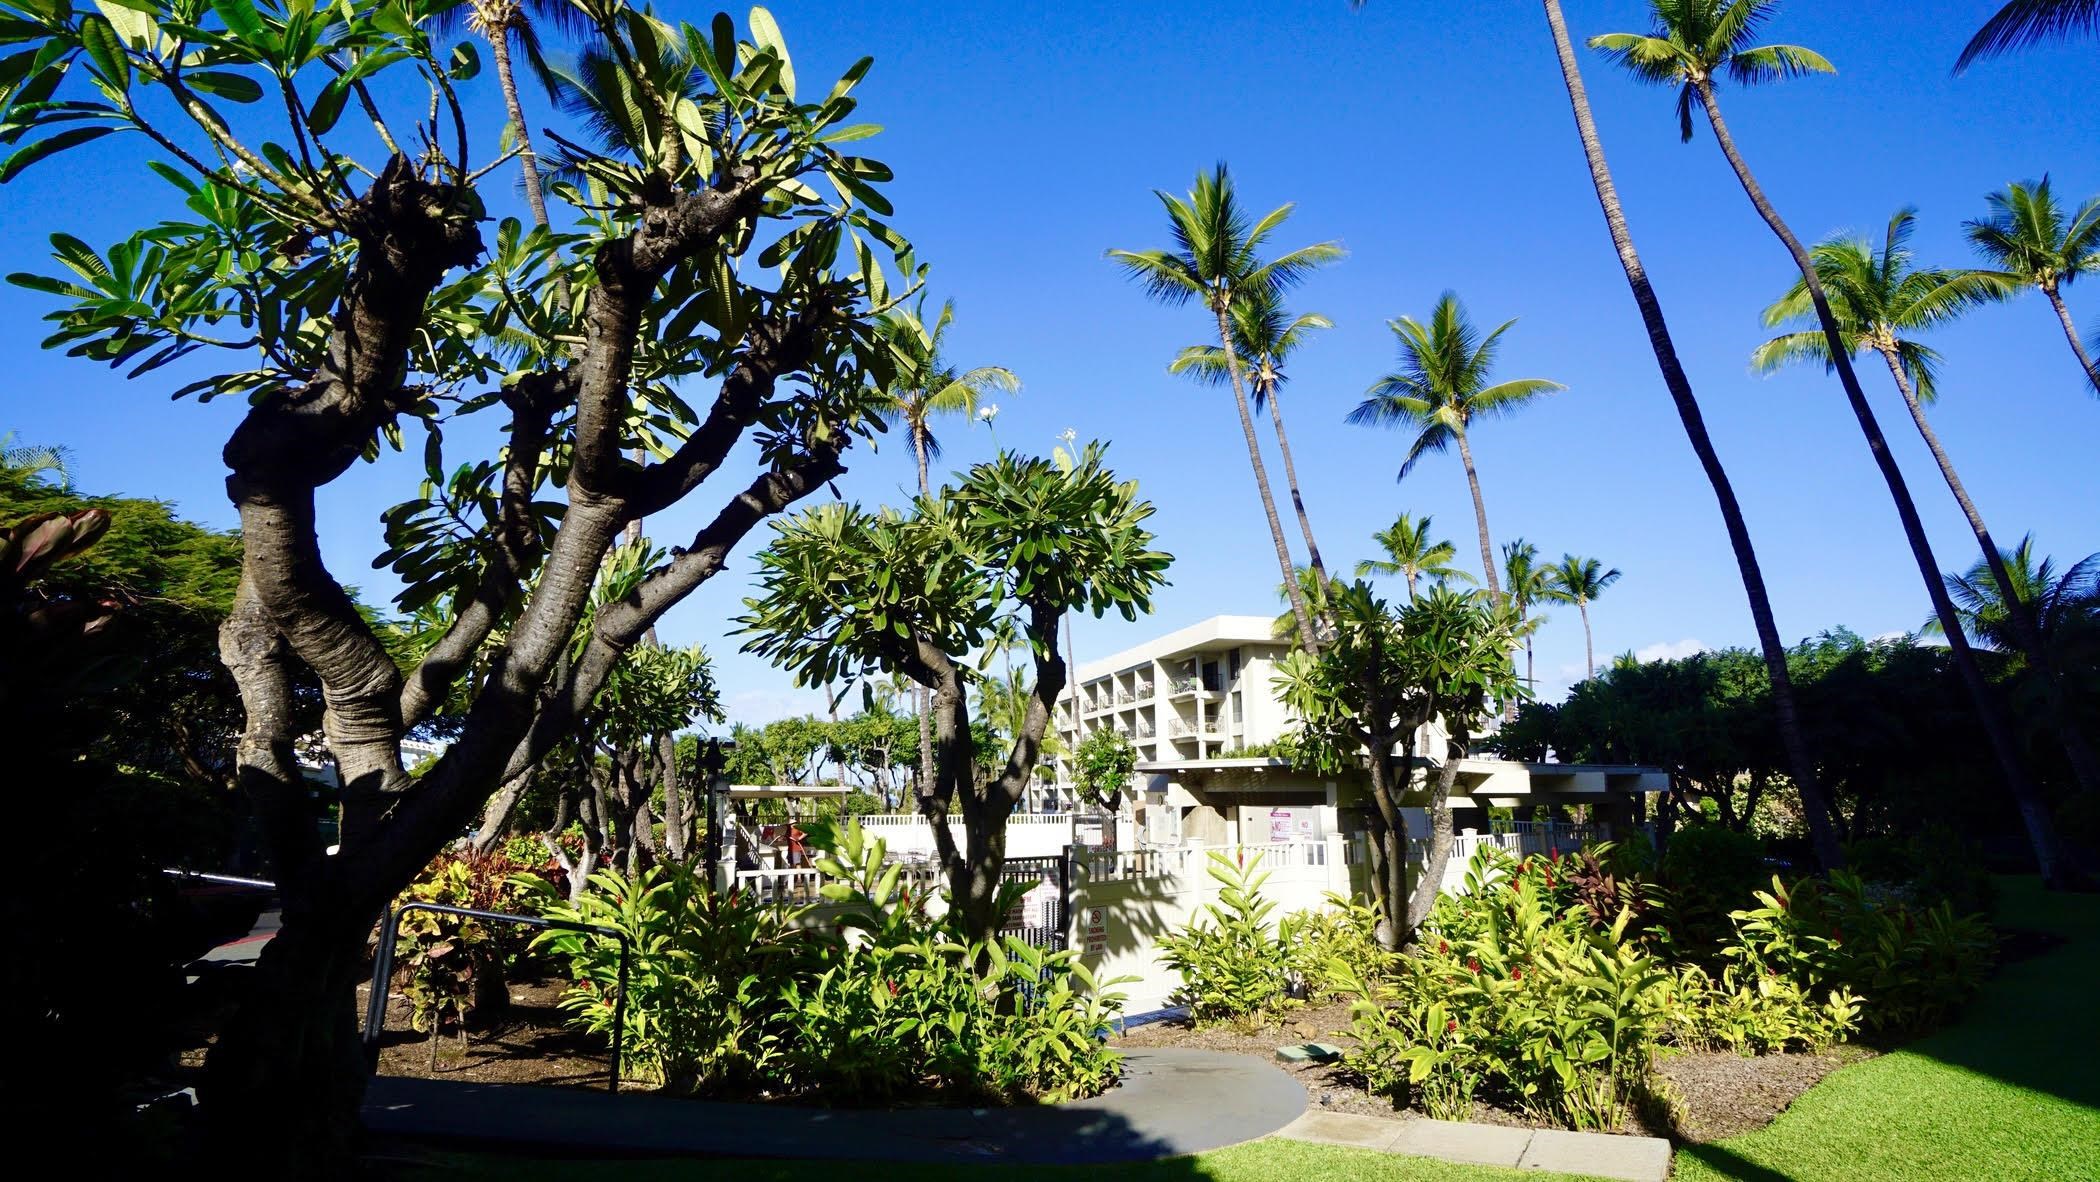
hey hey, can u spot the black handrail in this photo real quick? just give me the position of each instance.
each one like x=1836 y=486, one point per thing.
x=383 y=971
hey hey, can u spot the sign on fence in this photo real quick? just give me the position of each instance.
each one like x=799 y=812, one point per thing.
x=1096 y=929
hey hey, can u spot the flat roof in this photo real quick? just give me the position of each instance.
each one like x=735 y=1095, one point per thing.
x=1203 y=635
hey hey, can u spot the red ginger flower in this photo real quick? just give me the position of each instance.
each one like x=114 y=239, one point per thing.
x=1450 y=1026
x=1516 y=974
x=1473 y=964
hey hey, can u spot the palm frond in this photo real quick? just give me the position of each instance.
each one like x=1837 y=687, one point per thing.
x=2030 y=22
x=1774 y=63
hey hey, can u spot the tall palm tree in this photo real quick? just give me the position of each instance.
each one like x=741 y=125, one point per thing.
x=2027 y=239
x=1786 y=714
x=1216 y=259
x=1880 y=299
x=928 y=387
x=1581 y=581
x=1265 y=336
x=504 y=23
x=1410 y=555
x=1530 y=584
x=2022 y=23
x=1440 y=390
x=1693 y=43
x=2060 y=603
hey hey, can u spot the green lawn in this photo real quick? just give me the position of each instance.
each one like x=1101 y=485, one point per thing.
x=2012 y=1091
x=1257 y=1161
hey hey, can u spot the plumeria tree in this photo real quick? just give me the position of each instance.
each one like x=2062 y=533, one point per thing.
x=322 y=248
x=929 y=592
x=1368 y=699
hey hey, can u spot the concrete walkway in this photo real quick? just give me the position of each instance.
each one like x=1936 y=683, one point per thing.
x=1172 y=1102
x=1603 y=1155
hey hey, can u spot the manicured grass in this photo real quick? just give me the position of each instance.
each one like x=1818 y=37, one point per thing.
x=1257 y=1161
x=2011 y=1091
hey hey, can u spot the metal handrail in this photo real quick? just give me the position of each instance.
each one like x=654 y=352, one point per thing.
x=383 y=971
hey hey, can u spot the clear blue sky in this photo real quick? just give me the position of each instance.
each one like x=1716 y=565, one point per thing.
x=1435 y=143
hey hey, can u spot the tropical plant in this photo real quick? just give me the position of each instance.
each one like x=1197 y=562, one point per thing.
x=2031 y=243
x=1411 y=555
x=1878 y=298
x=2063 y=604
x=1693 y=43
x=1006 y=551
x=1441 y=390
x=1234 y=964
x=1580 y=581
x=502 y=24
x=1264 y=337
x=459 y=967
x=2022 y=23
x=1343 y=931
x=1530 y=583
x=1786 y=714
x=1216 y=260
x=1102 y=767
x=388 y=311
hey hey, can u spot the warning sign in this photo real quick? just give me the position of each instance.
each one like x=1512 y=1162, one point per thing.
x=1096 y=929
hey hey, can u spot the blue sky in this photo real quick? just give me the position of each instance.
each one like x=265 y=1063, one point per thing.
x=1027 y=138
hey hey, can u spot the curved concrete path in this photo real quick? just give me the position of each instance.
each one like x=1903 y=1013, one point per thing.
x=1172 y=1102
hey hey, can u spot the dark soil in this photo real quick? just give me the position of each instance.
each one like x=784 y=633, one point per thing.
x=2017 y=944
x=1717 y=1094
x=531 y=1044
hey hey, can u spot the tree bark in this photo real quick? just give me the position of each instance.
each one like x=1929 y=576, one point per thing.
x=2034 y=812
x=1290 y=477
x=2085 y=767
x=1480 y=518
x=1307 y=637
x=1436 y=854
x=2063 y=317
x=1800 y=763
x=495 y=819
x=1589 y=648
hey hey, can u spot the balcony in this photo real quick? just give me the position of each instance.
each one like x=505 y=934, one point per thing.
x=1194 y=685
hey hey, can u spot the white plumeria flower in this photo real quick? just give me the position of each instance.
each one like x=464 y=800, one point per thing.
x=988 y=412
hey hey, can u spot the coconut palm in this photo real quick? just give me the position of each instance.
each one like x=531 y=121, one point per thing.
x=1319 y=597
x=1692 y=44
x=2060 y=604
x=1786 y=714
x=927 y=387
x=1409 y=554
x=503 y=24
x=1530 y=584
x=2028 y=240
x=1216 y=259
x=1440 y=390
x=1265 y=336
x=2022 y=23
x=1880 y=299
x=1581 y=581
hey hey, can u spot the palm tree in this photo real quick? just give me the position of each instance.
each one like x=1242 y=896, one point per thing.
x=1692 y=43
x=1265 y=336
x=1319 y=596
x=2022 y=23
x=1879 y=298
x=1440 y=390
x=1530 y=584
x=1217 y=259
x=2027 y=239
x=1581 y=581
x=500 y=23
x=2059 y=604
x=1410 y=554
x=1786 y=714
x=927 y=387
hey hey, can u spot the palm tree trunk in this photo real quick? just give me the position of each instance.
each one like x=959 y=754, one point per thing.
x=2034 y=812
x=1787 y=716
x=1589 y=647
x=2063 y=316
x=2085 y=767
x=922 y=697
x=1309 y=639
x=528 y=160
x=1480 y=518
x=1290 y=478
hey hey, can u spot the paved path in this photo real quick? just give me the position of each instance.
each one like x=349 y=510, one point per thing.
x=1172 y=1102
x=1602 y=1155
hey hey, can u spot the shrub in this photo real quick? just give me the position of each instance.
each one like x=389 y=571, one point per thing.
x=1767 y=1013
x=703 y=980
x=1234 y=966
x=459 y=968
x=1708 y=870
x=1314 y=940
x=1911 y=966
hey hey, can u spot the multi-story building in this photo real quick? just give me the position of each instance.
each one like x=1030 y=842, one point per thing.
x=1201 y=708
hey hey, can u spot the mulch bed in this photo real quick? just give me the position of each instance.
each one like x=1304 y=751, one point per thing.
x=1719 y=1094
x=529 y=1045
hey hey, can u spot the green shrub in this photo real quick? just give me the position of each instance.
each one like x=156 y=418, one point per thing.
x=458 y=967
x=1234 y=966
x=1765 y=1014
x=1707 y=871
x=1315 y=940
x=1911 y=966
